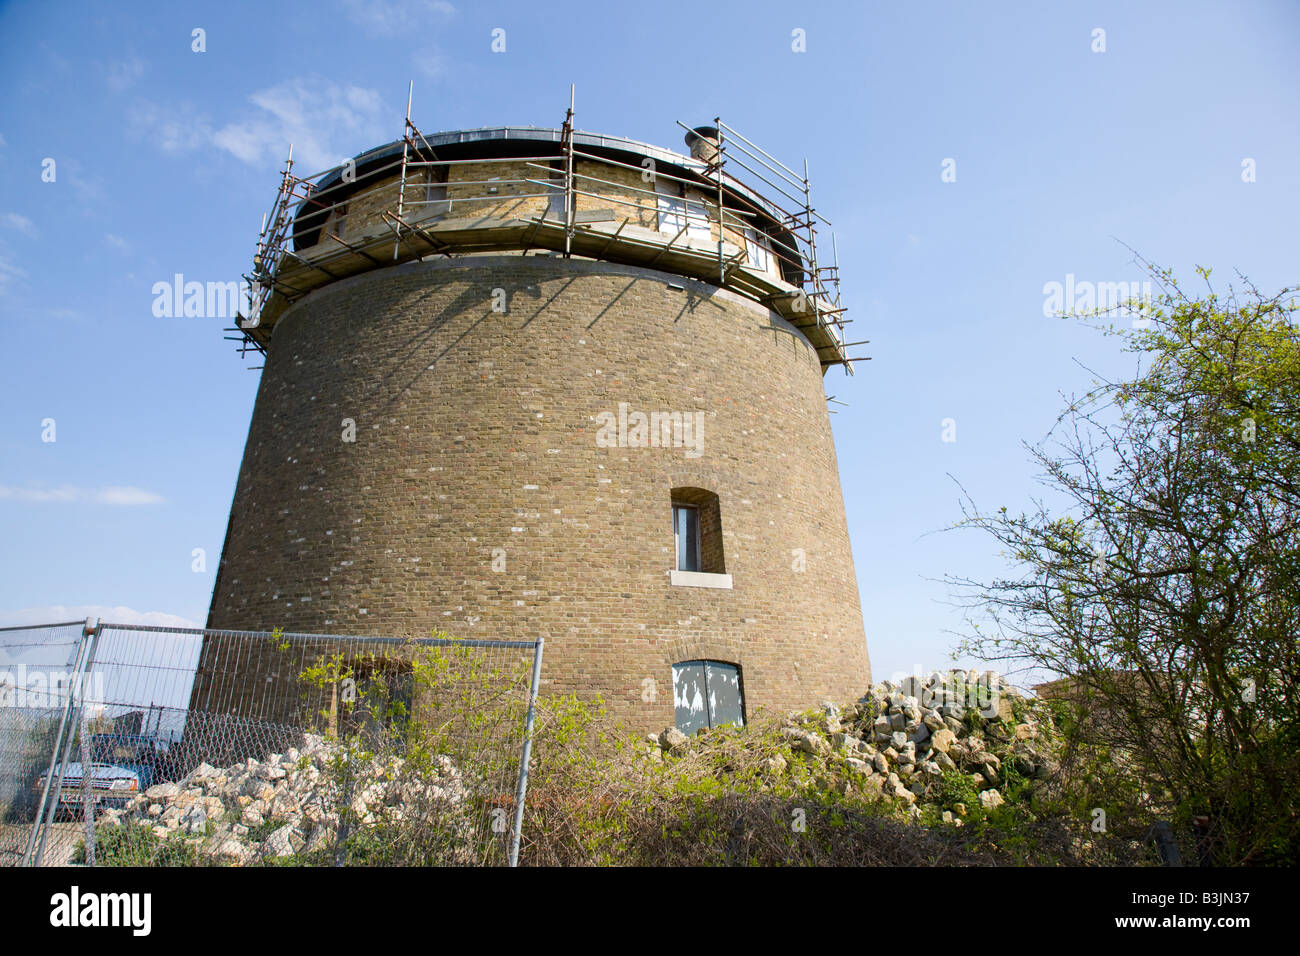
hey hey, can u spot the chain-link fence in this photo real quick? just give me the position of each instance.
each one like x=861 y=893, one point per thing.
x=36 y=671
x=147 y=746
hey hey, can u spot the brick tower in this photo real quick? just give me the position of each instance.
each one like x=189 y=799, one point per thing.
x=523 y=382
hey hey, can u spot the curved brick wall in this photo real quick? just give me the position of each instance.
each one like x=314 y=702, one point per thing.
x=477 y=430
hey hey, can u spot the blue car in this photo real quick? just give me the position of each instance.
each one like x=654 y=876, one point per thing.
x=110 y=786
x=121 y=765
x=140 y=753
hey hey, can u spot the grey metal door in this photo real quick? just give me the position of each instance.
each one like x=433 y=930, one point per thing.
x=707 y=694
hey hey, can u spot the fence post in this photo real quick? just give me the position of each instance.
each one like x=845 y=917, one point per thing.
x=521 y=791
x=89 y=634
x=87 y=791
x=37 y=822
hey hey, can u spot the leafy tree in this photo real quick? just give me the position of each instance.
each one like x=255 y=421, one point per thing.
x=1162 y=581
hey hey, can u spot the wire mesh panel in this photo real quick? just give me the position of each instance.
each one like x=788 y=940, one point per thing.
x=242 y=748
x=37 y=671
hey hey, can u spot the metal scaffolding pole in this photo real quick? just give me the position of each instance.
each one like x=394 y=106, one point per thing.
x=719 y=158
x=401 y=186
x=567 y=138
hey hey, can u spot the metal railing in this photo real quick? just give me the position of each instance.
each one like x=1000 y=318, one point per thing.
x=401 y=198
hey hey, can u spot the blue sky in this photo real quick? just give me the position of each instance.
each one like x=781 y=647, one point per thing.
x=166 y=159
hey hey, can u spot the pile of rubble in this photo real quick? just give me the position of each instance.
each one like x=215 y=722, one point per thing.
x=914 y=739
x=289 y=804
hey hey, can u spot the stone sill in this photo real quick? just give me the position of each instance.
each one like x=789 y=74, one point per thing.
x=699 y=579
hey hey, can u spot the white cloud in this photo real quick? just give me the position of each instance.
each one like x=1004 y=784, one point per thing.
x=9 y=271
x=126 y=496
x=59 y=613
x=116 y=242
x=432 y=63
x=88 y=186
x=326 y=122
x=124 y=73
x=321 y=119
x=175 y=129
x=391 y=17
x=112 y=495
x=14 y=220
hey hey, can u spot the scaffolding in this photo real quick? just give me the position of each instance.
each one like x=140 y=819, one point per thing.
x=819 y=297
x=732 y=182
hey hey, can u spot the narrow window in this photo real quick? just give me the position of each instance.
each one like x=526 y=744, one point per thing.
x=697 y=531
x=435 y=193
x=697 y=220
x=686 y=535
x=555 y=207
x=340 y=220
x=375 y=702
x=707 y=694
x=672 y=207
x=676 y=211
x=756 y=247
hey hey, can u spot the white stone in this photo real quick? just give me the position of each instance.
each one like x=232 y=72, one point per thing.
x=281 y=842
x=942 y=740
x=232 y=851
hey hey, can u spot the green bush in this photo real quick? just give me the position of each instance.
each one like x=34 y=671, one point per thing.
x=955 y=787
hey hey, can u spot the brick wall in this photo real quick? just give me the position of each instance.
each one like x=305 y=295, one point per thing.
x=512 y=200
x=636 y=201
x=476 y=445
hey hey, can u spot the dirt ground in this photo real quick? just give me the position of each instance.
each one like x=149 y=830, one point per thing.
x=59 y=847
